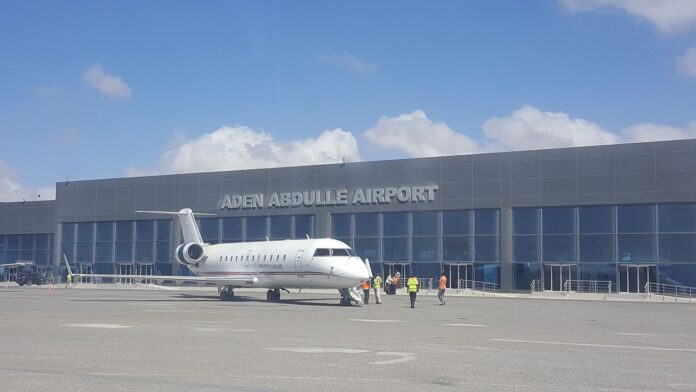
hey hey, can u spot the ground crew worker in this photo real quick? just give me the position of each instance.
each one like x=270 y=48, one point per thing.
x=412 y=289
x=387 y=285
x=441 y=288
x=366 y=291
x=69 y=281
x=377 y=284
x=395 y=284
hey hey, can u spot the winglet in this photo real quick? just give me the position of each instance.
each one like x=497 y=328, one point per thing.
x=67 y=264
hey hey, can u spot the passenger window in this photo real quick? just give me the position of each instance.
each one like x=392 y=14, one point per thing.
x=322 y=252
x=277 y=257
x=220 y=258
x=264 y=257
x=284 y=257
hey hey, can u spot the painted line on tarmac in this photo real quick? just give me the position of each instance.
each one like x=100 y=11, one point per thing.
x=375 y=321
x=403 y=357
x=687 y=350
x=103 y=326
x=318 y=350
x=212 y=329
x=636 y=334
x=466 y=325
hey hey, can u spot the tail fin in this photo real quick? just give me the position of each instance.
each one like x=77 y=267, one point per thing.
x=189 y=228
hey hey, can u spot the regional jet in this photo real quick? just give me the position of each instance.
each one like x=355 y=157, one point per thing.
x=323 y=263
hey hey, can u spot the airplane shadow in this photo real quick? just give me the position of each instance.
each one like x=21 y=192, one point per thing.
x=242 y=298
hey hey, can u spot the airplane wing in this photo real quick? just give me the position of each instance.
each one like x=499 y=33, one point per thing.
x=226 y=280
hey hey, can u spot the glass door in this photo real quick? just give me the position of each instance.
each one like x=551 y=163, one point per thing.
x=402 y=270
x=634 y=277
x=86 y=269
x=556 y=275
x=125 y=269
x=459 y=273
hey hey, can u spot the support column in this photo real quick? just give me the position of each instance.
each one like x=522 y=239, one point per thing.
x=506 y=249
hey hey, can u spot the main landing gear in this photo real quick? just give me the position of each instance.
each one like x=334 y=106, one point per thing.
x=273 y=295
x=348 y=297
x=226 y=293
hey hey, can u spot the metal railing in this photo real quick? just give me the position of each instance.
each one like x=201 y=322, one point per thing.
x=670 y=290
x=474 y=285
x=537 y=285
x=588 y=286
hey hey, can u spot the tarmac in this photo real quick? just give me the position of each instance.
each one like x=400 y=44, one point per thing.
x=111 y=338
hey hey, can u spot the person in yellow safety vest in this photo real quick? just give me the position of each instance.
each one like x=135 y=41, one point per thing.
x=377 y=285
x=366 y=291
x=412 y=284
x=69 y=281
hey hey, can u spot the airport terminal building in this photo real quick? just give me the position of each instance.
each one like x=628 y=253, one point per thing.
x=621 y=213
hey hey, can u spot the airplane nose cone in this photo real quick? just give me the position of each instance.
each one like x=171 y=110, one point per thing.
x=359 y=270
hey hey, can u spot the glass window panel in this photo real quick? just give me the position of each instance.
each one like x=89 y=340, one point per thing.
x=85 y=232
x=304 y=226
x=636 y=247
x=636 y=218
x=426 y=271
x=42 y=257
x=395 y=224
x=50 y=241
x=341 y=225
x=425 y=249
x=105 y=231
x=27 y=241
x=367 y=225
x=489 y=273
x=486 y=248
x=13 y=256
x=164 y=230
x=598 y=248
x=523 y=274
x=456 y=222
x=558 y=220
x=67 y=249
x=26 y=255
x=210 y=229
x=596 y=219
x=677 y=274
x=106 y=268
x=525 y=221
x=3 y=257
x=346 y=241
x=678 y=248
x=367 y=248
x=256 y=228
x=486 y=222
x=144 y=251
x=124 y=231
x=3 y=242
x=163 y=251
x=559 y=248
x=104 y=252
x=426 y=223
x=601 y=272
x=163 y=269
x=677 y=218
x=13 y=242
x=232 y=229
x=84 y=251
x=124 y=251
x=68 y=233
x=281 y=227
x=526 y=248
x=42 y=241
x=145 y=230
x=456 y=248
x=395 y=249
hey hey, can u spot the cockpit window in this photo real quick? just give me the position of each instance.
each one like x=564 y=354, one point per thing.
x=341 y=252
x=322 y=252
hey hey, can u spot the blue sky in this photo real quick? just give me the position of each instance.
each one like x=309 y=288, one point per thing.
x=107 y=89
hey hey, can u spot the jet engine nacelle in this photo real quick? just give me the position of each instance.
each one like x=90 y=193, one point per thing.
x=189 y=253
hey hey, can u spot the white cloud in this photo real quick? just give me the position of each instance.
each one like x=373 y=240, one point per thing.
x=527 y=128
x=669 y=16
x=347 y=60
x=415 y=134
x=530 y=128
x=234 y=148
x=109 y=85
x=11 y=188
x=687 y=62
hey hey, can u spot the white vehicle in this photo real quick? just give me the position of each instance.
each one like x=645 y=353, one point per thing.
x=322 y=263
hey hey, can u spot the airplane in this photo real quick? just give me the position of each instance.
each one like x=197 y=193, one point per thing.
x=322 y=263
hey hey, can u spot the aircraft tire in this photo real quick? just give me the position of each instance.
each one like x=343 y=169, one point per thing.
x=269 y=295
x=276 y=295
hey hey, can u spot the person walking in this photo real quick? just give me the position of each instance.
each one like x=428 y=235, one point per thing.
x=441 y=288
x=412 y=285
x=377 y=285
x=387 y=285
x=395 y=284
x=69 y=284
x=366 y=291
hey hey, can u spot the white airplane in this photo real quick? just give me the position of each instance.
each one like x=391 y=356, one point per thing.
x=276 y=265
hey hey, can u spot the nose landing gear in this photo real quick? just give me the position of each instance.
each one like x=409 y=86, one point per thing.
x=226 y=293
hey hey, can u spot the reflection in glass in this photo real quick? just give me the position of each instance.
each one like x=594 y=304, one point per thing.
x=456 y=248
x=559 y=247
x=636 y=248
x=526 y=248
x=425 y=249
x=367 y=248
x=489 y=273
x=677 y=274
x=523 y=274
x=395 y=249
x=679 y=248
x=597 y=248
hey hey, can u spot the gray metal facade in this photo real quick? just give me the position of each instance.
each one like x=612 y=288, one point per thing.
x=641 y=173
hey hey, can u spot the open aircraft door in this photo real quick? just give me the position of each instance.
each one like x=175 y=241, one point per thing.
x=298 y=264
